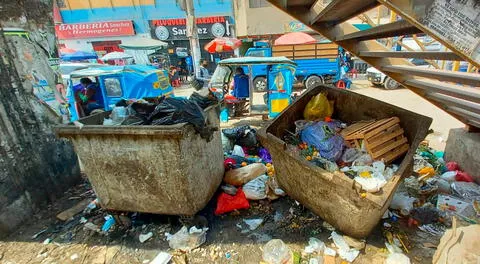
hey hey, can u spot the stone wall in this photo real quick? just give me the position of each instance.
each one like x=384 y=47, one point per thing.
x=35 y=166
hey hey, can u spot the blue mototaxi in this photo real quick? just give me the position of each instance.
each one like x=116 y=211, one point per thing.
x=280 y=80
x=120 y=82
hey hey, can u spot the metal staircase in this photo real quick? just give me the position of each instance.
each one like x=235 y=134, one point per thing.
x=453 y=23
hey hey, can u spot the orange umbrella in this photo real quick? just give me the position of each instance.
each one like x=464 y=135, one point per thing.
x=295 y=38
x=223 y=45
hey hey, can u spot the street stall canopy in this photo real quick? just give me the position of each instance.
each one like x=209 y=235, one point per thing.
x=116 y=56
x=141 y=48
x=256 y=60
x=143 y=44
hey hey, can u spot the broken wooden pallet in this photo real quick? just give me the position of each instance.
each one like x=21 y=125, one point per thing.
x=383 y=139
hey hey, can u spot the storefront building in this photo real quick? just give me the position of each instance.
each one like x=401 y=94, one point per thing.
x=102 y=25
x=253 y=22
x=174 y=32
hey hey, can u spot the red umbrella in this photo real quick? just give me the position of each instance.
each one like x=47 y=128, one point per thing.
x=223 y=45
x=295 y=38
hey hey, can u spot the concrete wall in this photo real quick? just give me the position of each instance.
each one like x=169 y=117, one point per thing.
x=259 y=21
x=35 y=167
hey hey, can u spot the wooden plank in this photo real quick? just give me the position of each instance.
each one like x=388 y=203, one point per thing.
x=473 y=118
x=388 y=146
x=304 y=53
x=74 y=210
x=305 y=47
x=427 y=55
x=341 y=10
x=353 y=128
x=391 y=122
x=361 y=132
x=397 y=28
x=300 y=2
x=384 y=138
x=466 y=93
x=396 y=153
x=472 y=79
x=332 y=46
x=452 y=101
x=282 y=48
x=282 y=53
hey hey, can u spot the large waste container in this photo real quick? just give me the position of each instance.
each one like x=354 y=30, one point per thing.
x=334 y=197
x=155 y=169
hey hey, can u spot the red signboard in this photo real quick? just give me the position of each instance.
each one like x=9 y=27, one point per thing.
x=183 y=21
x=94 y=30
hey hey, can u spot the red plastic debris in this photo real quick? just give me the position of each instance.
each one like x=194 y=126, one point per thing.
x=227 y=203
x=452 y=166
x=229 y=163
x=463 y=177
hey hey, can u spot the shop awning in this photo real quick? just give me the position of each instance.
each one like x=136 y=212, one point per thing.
x=143 y=44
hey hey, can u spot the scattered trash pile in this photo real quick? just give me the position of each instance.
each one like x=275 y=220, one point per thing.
x=249 y=175
x=438 y=192
x=316 y=252
x=361 y=151
x=165 y=111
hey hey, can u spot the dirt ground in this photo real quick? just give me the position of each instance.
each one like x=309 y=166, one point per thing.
x=226 y=241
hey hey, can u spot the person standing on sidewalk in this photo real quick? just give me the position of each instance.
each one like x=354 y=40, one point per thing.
x=203 y=74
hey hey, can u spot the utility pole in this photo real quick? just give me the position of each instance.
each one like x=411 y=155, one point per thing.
x=192 y=34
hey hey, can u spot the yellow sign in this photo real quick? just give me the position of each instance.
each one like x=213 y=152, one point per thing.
x=279 y=104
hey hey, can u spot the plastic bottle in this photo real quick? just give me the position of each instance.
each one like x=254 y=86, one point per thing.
x=276 y=252
x=402 y=202
x=224 y=115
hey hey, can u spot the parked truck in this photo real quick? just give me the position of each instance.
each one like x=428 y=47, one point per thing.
x=316 y=63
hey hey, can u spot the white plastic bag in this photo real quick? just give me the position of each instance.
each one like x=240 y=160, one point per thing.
x=314 y=246
x=119 y=114
x=238 y=151
x=187 y=240
x=344 y=250
x=371 y=185
x=256 y=189
x=253 y=223
x=276 y=252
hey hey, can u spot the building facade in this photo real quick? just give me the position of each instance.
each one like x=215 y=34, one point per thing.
x=259 y=20
x=101 y=25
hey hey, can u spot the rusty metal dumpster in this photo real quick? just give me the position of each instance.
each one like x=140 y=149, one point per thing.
x=334 y=197
x=155 y=169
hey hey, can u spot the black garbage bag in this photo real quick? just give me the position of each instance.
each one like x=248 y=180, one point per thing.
x=197 y=84
x=204 y=101
x=244 y=136
x=247 y=139
x=175 y=111
x=232 y=133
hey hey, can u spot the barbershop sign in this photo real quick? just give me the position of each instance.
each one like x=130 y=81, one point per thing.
x=94 y=30
x=176 y=29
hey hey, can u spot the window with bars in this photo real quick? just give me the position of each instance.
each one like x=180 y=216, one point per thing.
x=258 y=3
